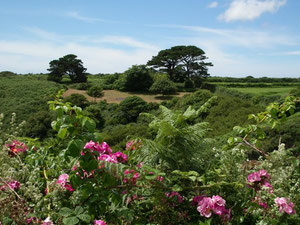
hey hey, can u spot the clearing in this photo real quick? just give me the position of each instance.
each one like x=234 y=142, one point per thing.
x=113 y=96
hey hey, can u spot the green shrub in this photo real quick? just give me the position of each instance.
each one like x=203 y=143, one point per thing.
x=78 y=100
x=81 y=86
x=137 y=78
x=163 y=86
x=95 y=91
x=131 y=107
x=95 y=112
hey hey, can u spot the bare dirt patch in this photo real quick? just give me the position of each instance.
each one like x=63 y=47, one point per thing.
x=113 y=96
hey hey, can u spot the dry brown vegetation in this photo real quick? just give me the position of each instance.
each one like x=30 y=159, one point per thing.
x=113 y=96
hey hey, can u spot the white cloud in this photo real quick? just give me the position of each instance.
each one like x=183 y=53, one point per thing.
x=293 y=53
x=240 y=37
x=250 y=9
x=77 y=16
x=34 y=57
x=213 y=5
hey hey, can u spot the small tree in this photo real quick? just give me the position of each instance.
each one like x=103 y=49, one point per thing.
x=67 y=65
x=163 y=86
x=95 y=91
x=131 y=107
x=137 y=78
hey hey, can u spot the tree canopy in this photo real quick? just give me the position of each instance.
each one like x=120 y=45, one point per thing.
x=181 y=62
x=68 y=65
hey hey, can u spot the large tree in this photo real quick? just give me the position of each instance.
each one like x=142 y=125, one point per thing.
x=67 y=65
x=181 y=62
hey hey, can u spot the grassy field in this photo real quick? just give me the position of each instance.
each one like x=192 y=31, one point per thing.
x=114 y=96
x=269 y=91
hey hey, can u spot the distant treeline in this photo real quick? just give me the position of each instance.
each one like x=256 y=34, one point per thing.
x=251 y=79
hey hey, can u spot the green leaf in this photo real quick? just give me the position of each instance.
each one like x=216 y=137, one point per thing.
x=176 y=188
x=62 y=133
x=89 y=124
x=74 y=147
x=70 y=220
x=78 y=210
x=66 y=212
x=84 y=217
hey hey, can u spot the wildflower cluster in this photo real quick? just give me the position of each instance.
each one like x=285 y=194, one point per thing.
x=15 y=185
x=105 y=152
x=285 y=205
x=16 y=147
x=131 y=175
x=260 y=179
x=215 y=204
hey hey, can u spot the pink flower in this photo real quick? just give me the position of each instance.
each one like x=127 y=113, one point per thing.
x=17 y=147
x=284 y=205
x=29 y=220
x=105 y=149
x=120 y=157
x=99 y=222
x=263 y=173
x=197 y=199
x=204 y=207
x=174 y=193
x=218 y=204
x=14 y=185
x=89 y=145
x=268 y=185
x=62 y=181
x=47 y=221
x=254 y=177
x=130 y=145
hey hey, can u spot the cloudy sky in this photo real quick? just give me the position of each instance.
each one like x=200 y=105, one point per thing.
x=240 y=37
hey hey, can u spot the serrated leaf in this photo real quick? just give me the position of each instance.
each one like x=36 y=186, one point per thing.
x=70 y=220
x=84 y=217
x=65 y=212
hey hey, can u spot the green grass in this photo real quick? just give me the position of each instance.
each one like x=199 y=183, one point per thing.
x=269 y=91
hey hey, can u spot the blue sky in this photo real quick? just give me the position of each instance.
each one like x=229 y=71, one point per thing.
x=240 y=37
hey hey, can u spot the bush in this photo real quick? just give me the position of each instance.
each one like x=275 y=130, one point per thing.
x=189 y=83
x=137 y=78
x=94 y=112
x=163 y=86
x=78 y=100
x=95 y=91
x=81 y=86
x=131 y=107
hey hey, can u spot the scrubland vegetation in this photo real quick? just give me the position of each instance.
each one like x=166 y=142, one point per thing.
x=220 y=154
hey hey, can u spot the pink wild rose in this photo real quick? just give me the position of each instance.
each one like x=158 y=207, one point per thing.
x=204 y=207
x=284 y=205
x=99 y=222
x=218 y=204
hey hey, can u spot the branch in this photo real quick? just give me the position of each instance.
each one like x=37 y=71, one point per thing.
x=254 y=147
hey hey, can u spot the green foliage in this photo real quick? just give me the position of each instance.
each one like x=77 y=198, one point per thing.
x=189 y=83
x=163 y=86
x=95 y=112
x=38 y=125
x=181 y=62
x=80 y=86
x=25 y=95
x=95 y=91
x=178 y=140
x=67 y=65
x=131 y=107
x=78 y=100
x=137 y=78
